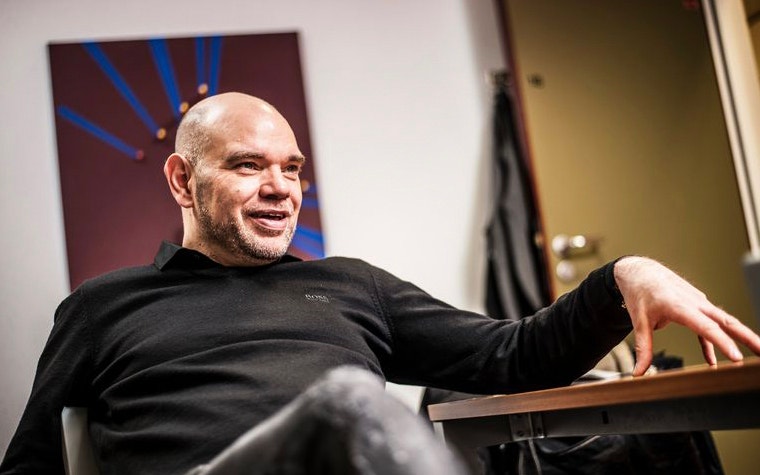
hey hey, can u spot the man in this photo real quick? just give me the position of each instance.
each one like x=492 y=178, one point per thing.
x=178 y=359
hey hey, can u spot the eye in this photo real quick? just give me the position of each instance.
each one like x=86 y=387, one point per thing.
x=247 y=166
x=292 y=169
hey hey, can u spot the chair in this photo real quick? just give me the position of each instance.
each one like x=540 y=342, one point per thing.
x=78 y=458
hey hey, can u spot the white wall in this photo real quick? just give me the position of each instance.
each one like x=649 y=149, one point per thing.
x=399 y=114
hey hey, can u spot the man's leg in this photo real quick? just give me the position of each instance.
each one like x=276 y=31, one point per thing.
x=344 y=424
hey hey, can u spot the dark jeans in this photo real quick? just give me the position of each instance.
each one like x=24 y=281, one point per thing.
x=344 y=424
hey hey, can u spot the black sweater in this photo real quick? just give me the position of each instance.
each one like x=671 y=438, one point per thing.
x=177 y=359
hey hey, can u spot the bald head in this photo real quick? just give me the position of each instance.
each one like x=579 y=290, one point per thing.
x=210 y=117
x=235 y=173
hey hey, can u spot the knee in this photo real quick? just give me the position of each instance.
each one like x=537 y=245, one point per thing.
x=349 y=391
x=349 y=382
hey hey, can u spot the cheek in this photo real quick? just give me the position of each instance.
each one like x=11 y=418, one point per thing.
x=296 y=199
x=235 y=194
x=224 y=202
x=243 y=189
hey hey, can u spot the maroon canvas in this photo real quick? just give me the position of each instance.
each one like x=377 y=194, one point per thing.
x=117 y=105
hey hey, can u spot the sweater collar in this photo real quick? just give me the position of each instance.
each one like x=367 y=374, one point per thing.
x=173 y=255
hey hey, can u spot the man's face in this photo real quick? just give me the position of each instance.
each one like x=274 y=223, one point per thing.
x=247 y=189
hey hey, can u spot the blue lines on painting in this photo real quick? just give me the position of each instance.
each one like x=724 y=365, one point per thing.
x=200 y=61
x=98 y=132
x=215 y=65
x=310 y=203
x=163 y=62
x=310 y=241
x=100 y=58
x=310 y=197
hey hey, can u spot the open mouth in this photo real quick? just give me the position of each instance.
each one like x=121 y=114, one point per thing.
x=270 y=215
x=274 y=220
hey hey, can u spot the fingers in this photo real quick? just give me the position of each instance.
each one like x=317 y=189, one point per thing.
x=642 y=335
x=709 y=325
x=708 y=350
x=735 y=329
x=714 y=327
x=656 y=296
x=719 y=329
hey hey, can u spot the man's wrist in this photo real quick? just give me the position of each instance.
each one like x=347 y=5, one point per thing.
x=612 y=277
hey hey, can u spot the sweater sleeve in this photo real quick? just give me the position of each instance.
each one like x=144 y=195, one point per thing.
x=61 y=380
x=437 y=345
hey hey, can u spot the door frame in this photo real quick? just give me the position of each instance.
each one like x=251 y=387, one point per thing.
x=737 y=76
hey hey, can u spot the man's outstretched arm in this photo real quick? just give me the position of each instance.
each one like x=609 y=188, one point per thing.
x=655 y=296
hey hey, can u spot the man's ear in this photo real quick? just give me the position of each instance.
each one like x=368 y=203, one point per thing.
x=178 y=171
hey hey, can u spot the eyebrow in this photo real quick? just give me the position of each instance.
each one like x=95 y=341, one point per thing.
x=237 y=156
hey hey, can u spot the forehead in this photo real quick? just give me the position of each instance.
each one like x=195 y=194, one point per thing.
x=259 y=130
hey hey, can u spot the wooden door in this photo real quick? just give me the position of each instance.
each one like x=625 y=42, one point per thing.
x=628 y=146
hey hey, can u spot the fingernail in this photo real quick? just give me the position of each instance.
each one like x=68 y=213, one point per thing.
x=736 y=354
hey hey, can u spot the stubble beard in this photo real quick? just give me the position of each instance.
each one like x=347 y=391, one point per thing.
x=230 y=236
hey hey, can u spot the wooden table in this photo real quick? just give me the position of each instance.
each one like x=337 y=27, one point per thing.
x=693 y=398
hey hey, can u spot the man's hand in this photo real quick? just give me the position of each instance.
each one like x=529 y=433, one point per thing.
x=655 y=296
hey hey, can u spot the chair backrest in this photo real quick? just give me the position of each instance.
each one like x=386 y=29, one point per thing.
x=78 y=457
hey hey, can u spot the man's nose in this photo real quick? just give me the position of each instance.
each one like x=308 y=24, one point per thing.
x=274 y=184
